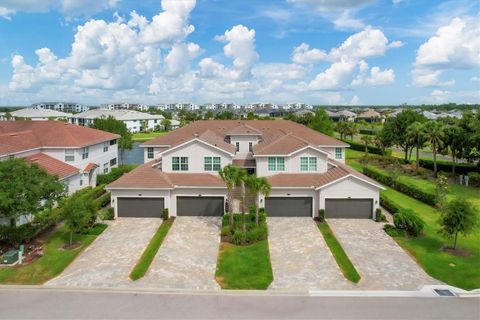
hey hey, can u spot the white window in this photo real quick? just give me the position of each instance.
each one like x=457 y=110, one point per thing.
x=105 y=167
x=113 y=142
x=149 y=153
x=179 y=163
x=105 y=146
x=338 y=153
x=85 y=153
x=237 y=146
x=113 y=162
x=308 y=164
x=276 y=164
x=69 y=155
x=211 y=163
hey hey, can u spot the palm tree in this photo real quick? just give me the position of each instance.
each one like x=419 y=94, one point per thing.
x=241 y=178
x=256 y=187
x=434 y=135
x=416 y=135
x=366 y=139
x=230 y=175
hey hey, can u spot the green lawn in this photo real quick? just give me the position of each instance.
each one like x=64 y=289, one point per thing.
x=244 y=267
x=347 y=267
x=147 y=257
x=140 y=136
x=53 y=262
x=463 y=272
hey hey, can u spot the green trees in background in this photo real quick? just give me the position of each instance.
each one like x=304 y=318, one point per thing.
x=112 y=125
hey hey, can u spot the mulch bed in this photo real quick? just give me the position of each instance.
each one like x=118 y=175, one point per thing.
x=456 y=252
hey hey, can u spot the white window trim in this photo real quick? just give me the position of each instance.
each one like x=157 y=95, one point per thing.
x=276 y=164
x=212 y=164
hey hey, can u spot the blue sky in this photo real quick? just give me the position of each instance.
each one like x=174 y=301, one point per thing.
x=206 y=51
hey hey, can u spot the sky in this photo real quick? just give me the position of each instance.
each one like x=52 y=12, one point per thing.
x=321 y=52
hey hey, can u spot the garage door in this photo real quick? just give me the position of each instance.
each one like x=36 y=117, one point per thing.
x=140 y=207
x=288 y=206
x=200 y=206
x=349 y=208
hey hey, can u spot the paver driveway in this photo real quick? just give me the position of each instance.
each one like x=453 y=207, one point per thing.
x=300 y=257
x=187 y=258
x=381 y=262
x=107 y=262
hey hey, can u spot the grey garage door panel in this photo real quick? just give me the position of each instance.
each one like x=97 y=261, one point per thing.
x=349 y=208
x=200 y=206
x=140 y=207
x=289 y=206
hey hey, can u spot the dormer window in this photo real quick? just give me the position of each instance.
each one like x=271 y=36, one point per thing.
x=338 y=153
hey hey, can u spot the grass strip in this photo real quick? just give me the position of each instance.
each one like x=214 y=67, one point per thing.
x=244 y=266
x=347 y=267
x=54 y=260
x=151 y=250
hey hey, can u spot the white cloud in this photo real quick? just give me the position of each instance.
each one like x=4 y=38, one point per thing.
x=178 y=59
x=304 y=55
x=346 y=21
x=331 y=5
x=338 y=75
x=475 y=78
x=355 y=101
x=376 y=77
x=455 y=46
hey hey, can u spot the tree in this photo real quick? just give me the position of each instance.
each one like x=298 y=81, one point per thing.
x=166 y=123
x=441 y=190
x=454 y=138
x=416 y=136
x=458 y=217
x=395 y=129
x=8 y=115
x=230 y=176
x=113 y=125
x=434 y=136
x=256 y=187
x=322 y=123
x=77 y=214
x=26 y=189
x=366 y=139
x=250 y=115
x=241 y=181
x=352 y=130
x=342 y=127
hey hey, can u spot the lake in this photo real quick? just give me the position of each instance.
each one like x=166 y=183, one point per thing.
x=134 y=156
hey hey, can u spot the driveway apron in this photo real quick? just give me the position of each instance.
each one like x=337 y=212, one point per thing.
x=300 y=257
x=187 y=258
x=381 y=262
x=107 y=262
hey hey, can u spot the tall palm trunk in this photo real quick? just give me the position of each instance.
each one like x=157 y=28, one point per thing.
x=454 y=160
x=257 y=204
x=417 y=162
x=244 y=225
x=434 y=149
x=230 y=206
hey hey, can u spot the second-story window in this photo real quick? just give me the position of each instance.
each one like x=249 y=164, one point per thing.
x=338 y=153
x=69 y=155
x=276 y=164
x=149 y=153
x=105 y=146
x=250 y=147
x=113 y=142
x=113 y=162
x=237 y=146
x=308 y=164
x=179 y=163
x=211 y=163
x=105 y=167
x=85 y=153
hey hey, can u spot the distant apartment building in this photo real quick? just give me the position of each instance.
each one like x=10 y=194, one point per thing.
x=178 y=106
x=124 y=106
x=61 y=106
x=39 y=115
x=297 y=106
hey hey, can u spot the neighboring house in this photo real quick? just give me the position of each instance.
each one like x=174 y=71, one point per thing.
x=301 y=113
x=369 y=115
x=40 y=114
x=134 y=120
x=2 y=116
x=68 y=107
x=75 y=154
x=430 y=115
x=305 y=168
x=342 y=115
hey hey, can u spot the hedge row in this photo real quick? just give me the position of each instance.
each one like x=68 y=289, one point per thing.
x=114 y=174
x=102 y=201
x=446 y=166
x=388 y=204
x=474 y=179
x=414 y=192
x=370 y=132
x=371 y=149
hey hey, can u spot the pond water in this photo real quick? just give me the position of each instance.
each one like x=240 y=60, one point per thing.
x=134 y=156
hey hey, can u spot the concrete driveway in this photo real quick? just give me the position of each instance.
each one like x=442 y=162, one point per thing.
x=187 y=258
x=300 y=257
x=107 y=262
x=381 y=262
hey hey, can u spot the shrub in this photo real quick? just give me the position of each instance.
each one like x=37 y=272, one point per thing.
x=379 y=216
x=388 y=204
x=368 y=131
x=108 y=214
x=114 y=174
x=393 y=232
x=165 y=214
x=234 y=234
x=408 y=220
x=446 y=166
x=321 y=215
x=474 y=179
x=252 y=209
x=226 y=231
x=238 y=237
x=103 y=201
x=371 y=149
x=411 y=190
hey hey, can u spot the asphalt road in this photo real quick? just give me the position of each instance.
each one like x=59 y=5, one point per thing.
x=78 y=304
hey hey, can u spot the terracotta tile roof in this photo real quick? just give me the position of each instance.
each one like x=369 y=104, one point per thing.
x=16 y=136
x=52 y=165
x=195 y=180
x=282 y=146
x=243 y=129
x=90 y=167
x=214 y=139
x=144 y=176
x=244 y=163
x=271 y=130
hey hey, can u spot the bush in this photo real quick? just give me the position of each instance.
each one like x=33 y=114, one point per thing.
x=238 y=237
x=408 y=220
x=234 y=234
x=393 y=232
x=321 y=215
x=370 y=132
x=446 y=166
x=165 y=214
x=413 y=191
x=103 y=201
x=379 y=216
x=252 y=209
x=115 y=173
x=371 y=149
x=108 y=214
x=474 y=179
x=95 y=230
x=388 y=204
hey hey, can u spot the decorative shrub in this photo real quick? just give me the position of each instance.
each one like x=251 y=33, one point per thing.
x=103 y=201
x=474 y=179
x=371 y=149
x=321 y=215
x=115 y=173
x=411 y=190
x=252 y=209
x=388 y=204
x=368 y=131
x=408 y=220
x=165 y=214
x=108 y=214
x=446 y=166
x=393 y=232
x=234 y=234
x=379 y=216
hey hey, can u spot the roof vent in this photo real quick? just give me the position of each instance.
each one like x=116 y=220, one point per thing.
x=196 y=134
